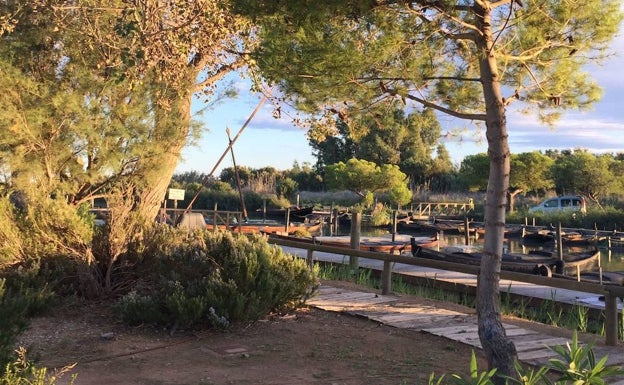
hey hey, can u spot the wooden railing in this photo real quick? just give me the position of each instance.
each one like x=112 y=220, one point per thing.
x=433 y=209
x=611 y=292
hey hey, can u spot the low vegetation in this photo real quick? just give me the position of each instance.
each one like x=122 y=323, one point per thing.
x=170 y=277
x=576 y=364
x=214 y=279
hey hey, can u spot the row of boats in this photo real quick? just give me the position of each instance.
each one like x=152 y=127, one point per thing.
x=530 y=235
x=581 y=264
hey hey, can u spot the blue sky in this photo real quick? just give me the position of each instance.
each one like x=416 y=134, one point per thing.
x=278 y=143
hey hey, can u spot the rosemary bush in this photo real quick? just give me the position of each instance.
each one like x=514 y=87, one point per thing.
x=215 y=278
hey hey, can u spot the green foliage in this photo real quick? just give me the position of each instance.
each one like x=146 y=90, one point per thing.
x=11 y=241
x=361 y=176
x=474 y=172
x=400 y=195
x=577 y=364
x=23 y=372
x=136 y=309
x=604 y=219
x=216 y=278
x=531 y=172
x=476 y=377
x=580 y=172
x=286 y=188
x=381 y=215
x=20 y=299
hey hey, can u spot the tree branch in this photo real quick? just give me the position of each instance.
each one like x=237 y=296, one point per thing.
x=456 y=114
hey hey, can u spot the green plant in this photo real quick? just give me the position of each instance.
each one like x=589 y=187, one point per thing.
x=18 y=303
x=23 y=372
x=577 y=364
x=216 y=278
x=582 y=322
x=476 y=377
x=530 y=376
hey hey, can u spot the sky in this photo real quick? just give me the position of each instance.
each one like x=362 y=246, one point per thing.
x=267 y=141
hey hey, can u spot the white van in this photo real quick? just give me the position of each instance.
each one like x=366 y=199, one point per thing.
x=562 y=203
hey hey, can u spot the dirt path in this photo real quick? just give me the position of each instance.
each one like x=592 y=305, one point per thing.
x=310 y=346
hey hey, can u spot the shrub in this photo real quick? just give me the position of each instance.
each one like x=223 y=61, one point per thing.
x=212 y=278
x=23 y=372
x=18 y=302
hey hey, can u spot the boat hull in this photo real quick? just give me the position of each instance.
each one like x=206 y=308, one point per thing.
x=536 y=262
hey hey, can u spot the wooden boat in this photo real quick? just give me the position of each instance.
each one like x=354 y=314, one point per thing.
x=382 y=244
x=450 y=226
x=510 y=230
x=280 y=214
x=538 y=236
x=536 y=262
x=602 y=278
x=615 y=242
x=268 y=227
x=569 y=238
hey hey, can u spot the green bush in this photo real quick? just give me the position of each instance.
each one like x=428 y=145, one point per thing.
x=604 y=219
x=215 y=278
x=18 y=302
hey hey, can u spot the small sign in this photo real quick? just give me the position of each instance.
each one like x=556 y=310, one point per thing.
x=176 y=194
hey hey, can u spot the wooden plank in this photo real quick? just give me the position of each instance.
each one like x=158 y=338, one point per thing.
x=542 y=343
x=421 y=325
x=518 y=332
x=349 y=299
x=428 y=319
x=536 y=357
x=467 y=328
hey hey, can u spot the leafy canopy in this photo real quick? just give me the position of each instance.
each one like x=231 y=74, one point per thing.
x=362 y=176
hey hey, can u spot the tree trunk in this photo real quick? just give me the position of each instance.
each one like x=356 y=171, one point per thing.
x=172 y=127
x=512 y=198
x=499 y=350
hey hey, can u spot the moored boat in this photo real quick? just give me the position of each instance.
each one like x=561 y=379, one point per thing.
x=280 y=214
x=383 y=244
x=535 y=262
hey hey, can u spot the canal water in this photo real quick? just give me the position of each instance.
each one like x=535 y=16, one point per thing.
x=610 y=260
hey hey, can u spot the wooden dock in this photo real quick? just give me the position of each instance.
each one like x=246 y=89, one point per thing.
x=533 y=347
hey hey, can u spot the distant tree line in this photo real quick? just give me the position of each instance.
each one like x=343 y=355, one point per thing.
x=533 y=174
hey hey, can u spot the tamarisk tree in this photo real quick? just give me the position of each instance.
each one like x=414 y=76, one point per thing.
x=468 y=59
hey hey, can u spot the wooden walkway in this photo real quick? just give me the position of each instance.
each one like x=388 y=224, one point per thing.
x=533 y=348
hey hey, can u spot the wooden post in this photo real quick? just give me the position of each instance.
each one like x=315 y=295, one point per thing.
x=287 y=220
x=394 y=225
x=356 y=221
x=559 y=243
x=386 y=278
x=175 y=212
x=466 y=231
x=336 y=220
x=214 y=218
x=310 y=257
x=611 y=319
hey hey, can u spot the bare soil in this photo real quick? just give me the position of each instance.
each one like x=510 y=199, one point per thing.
x=309 y=346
